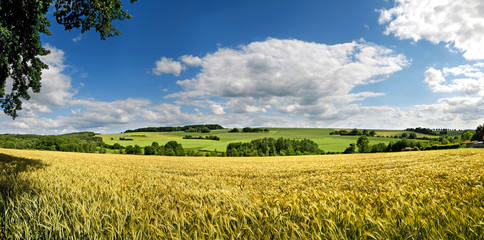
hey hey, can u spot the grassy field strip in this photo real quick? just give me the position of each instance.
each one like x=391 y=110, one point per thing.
x=414 y=195
x=333 y=143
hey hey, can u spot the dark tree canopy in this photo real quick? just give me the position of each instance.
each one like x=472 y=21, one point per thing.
x=363 y=144
x=480 y=132
x=22 y=22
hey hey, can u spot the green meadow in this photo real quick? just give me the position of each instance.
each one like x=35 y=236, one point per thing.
x=326 y=142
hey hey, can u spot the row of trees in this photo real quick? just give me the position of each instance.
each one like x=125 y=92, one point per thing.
x=428 y=131
x=272 y=147
x=171 y=148
x=216 y=138
x=363 y=145
x=354 y=132
x=249 y=130
x=188 y=128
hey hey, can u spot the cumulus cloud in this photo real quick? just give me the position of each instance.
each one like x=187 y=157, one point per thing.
x=56 y=90
x=102 y=113
x=465 y=79
x=290 y=75
x=454 y=111
x=191 y=61
x=459 y=23
x=168 y=66
x=217 y=109
x=245 y=105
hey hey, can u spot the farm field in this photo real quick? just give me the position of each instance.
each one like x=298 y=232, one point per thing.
x=326 y=142
x=406 y=195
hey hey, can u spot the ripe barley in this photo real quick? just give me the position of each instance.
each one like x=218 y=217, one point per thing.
x=436 y=194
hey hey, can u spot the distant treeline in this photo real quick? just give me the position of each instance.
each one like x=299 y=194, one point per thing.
x=189 y=128
x=363 y=145
x=72 y=142
x=250 y=130
x=437 y=132
x=354 y=132
x=216 y=138
x=272 y=147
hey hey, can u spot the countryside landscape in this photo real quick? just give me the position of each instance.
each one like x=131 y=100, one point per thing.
x=241 y=120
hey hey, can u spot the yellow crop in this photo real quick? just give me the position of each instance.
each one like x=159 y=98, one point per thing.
x=408 y=195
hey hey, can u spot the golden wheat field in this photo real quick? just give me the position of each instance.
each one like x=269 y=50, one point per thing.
x=409 y=195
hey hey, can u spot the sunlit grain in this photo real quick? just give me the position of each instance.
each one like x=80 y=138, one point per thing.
x=414 y=195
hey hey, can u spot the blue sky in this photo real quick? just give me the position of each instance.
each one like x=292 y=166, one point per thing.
x=365 y=64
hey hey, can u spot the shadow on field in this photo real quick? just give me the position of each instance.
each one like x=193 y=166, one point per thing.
x=11 y=183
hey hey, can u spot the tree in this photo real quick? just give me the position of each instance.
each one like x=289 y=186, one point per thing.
x=22 y=22
x=480 y=132
x=363 y=144
x=136 y=149
x=149 y=150
x=354 y=132
x=380 y=147
x=412 y=136
x=129 y=149
x=467 y=135
x=350 y=149
x=372 y=133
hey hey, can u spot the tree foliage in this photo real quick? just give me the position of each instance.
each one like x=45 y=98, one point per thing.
x=234 y=130
x=273 y=147
x=350 y=149
x=254 y=130
x=363 y=144
x=427 y=131
x=354 y=132
x=188 y=128
x=22 y=22
x=480 y=133
x=72 y=142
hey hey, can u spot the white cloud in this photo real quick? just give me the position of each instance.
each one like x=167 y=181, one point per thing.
x=168 y=66
x=217 y=109
x=466 y=79
x=464 y=110
x=78 y=38
x=32 y=109
x=56 y=89
x=102 y=113
x=460 y=23
x=191 y=61
x=290 y=75
x=245 y=105
x=455 y=111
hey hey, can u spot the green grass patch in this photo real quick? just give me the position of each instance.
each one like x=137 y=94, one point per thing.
x=326 y=142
